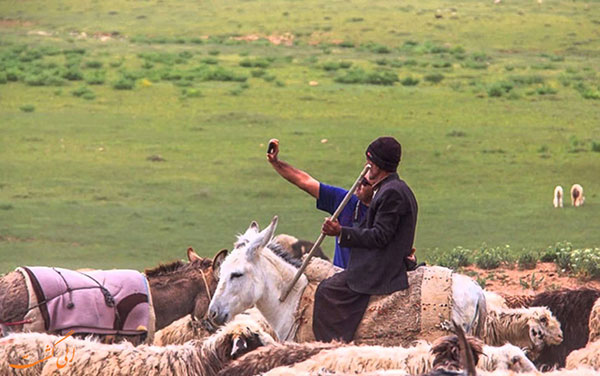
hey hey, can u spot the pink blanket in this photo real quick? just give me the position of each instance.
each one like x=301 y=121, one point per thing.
x=101 y=302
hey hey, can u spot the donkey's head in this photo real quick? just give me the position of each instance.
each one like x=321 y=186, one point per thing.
x=241 y=280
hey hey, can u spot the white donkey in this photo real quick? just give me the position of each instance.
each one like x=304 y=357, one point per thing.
x=255 y=273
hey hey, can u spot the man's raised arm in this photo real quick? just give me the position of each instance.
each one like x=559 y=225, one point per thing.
x=295 y=176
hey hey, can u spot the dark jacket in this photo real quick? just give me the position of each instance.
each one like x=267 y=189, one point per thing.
x=383 y=240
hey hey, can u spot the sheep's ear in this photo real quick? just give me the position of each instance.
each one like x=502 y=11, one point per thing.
x=217 y=261
x=262 y=239
x=192 y=256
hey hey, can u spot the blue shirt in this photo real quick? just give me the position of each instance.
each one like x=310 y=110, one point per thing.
x=329 y=199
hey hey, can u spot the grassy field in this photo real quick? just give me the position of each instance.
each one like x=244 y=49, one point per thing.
x=130 y=130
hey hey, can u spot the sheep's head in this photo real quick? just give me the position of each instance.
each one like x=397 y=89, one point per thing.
x=506 y=358
x=248 y=336
x=544 y=328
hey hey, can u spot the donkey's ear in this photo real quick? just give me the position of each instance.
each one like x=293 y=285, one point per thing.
x=192 y=256
x=217 y=261
x=254 y=226
x=263 y=238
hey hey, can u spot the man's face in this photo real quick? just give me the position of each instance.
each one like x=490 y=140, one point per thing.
x=374 y=172
x=364 y=192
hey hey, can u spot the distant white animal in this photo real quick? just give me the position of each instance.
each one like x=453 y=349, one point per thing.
x=577 y=198
x=558 y=197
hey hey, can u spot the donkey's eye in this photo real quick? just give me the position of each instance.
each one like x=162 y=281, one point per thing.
x=236 y=275
x=544 y=320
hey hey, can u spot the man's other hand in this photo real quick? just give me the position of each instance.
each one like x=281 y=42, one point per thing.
x=273 y=150
x=331 y=228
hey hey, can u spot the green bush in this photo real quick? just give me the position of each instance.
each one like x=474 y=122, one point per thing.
x=585 y=262
x=123 y=83
x=492 y=257
x=545 y=90
x=3 y=78
x=255 y=63
x=456 y=258
x=434 y=78
x=499 y=88
x=527 y=260
x=93 y=64
x=27 y=108
x=560 y=253
x=222 y=74
x=258 y=72
x=409 y=81
x=441 y=64
x=96 y=78
x=72 y=74
x=359 y=76
x=209 y=60
x=596 y=146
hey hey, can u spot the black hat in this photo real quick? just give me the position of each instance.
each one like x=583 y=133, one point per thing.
x=385 y=152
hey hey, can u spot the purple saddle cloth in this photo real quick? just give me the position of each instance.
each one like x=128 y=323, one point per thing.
x=100 y=302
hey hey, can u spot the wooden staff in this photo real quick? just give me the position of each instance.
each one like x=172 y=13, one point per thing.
x=322 y=236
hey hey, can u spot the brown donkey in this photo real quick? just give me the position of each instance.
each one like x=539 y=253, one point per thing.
x=177 y=289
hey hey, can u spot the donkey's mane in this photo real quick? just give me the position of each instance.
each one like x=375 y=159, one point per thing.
x=164 y=269
x=280 y=251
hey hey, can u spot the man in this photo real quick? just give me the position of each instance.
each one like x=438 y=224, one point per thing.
x=378 y=246
x=328 y=197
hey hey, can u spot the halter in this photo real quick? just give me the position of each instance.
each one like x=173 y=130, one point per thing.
x=206 y=285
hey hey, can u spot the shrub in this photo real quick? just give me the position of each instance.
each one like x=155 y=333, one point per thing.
x=544 y=90
x=93 y=64
x=123 y=83
x=527 y=260
x=258 y=72
x=3 y=78
x=27 y=108
x=434 y=78
x=491 y=258
x=596 y=146
x=527 y=79
x=560 y=253
x=346 y=44
x=95 y=78
x=72 y=74
x=191 y=93
x=359 y=76
x=222 y=74
x=209 y=60
x=499 y=88
x=586 y=262
x=409 y=81
x=441 y=64
x=84 y=91
x=456 y=258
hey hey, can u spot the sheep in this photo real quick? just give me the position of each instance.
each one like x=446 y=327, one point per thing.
x=572 y=309
x=594 y=322
x=494 y=301
x=577 y=198
x=588 y=356
x=188 y=328
x=558 y=197
x=92 y=358
x=180 y=331
x=529 y=328
x=422 y=357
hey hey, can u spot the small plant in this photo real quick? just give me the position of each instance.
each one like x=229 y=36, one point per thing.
x=456 y=133
x=84 y=92
x=94 y=64
x=585 y=263
x=532 y=283
x=491 y=258
x=527 y=260
x=27 y=108
x=456 y=258
x=596 y=146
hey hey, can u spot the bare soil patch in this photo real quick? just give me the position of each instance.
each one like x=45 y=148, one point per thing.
x=545 y=276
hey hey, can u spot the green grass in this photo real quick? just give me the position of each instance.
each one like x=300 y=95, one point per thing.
x=483 y=145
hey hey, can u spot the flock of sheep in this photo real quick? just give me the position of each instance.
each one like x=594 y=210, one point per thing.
x=555 y=331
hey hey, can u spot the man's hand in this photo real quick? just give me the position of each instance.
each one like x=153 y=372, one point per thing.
x=331 y=228
x=273 y=150
x=412 y=256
